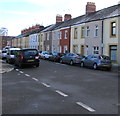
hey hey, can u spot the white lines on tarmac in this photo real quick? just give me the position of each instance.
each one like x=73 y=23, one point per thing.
x=17 y=69
x=85 y=106
x=46 y=85
x=61 y=93
x=27 y=75
x=35 y=79
x=21 y=72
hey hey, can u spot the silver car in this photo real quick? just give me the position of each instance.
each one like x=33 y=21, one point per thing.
x=71 y=58
x=99 y=61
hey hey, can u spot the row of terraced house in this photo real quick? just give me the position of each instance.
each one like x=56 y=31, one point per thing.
x=95 y=32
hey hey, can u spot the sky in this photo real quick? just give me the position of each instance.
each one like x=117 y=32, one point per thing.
x=16 y=15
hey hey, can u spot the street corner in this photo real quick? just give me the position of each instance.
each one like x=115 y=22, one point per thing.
x=4 y=67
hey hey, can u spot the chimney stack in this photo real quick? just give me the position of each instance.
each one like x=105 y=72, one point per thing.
x=67 y=17
x=58 y=18
x=90 y=7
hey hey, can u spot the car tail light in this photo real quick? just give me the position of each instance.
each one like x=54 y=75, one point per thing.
x=77 y=57
x=100 y=57
x=37 y=57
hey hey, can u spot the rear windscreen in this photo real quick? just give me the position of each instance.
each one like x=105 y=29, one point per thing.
x=106 y=57
x=30 y=52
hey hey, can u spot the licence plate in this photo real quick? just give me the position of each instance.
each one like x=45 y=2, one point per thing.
x=30 y=60
x=106 y=65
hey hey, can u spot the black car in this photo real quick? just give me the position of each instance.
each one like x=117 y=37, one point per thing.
x=56 y=57
x=27 y=57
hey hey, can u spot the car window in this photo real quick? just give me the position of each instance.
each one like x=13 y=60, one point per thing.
x=4 y=51
x=13 y=52
x=105 y=57
x=55 y=53
x=30 y=52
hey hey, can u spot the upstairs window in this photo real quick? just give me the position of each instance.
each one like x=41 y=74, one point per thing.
x=66 y=34
x=113 y=28
x=87 y=31
x=83 y=32
x=96 y=31
x=75 y=33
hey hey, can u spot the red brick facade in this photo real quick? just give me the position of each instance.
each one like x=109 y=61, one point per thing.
x=65 y=40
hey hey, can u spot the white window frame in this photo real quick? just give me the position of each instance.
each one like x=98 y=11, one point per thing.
x=87 y=31
x=66 y=34
x=96 y=31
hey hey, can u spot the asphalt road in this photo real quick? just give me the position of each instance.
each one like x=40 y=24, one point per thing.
x=55 y=88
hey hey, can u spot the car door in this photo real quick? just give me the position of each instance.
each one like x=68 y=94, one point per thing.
x=87 y=61
x=65 y=58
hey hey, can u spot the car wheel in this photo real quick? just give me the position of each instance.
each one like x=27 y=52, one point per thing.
x=20 y=65
x=71 y=62
x=37 y=65
x=94 y=66
x=61 y=61
x=82 y=64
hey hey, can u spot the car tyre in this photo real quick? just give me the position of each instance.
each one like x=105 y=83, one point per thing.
x=82 y=64
x=20 y=65
x=71 y=62
x=37 y=65
x=94 y=66
x=61 y=61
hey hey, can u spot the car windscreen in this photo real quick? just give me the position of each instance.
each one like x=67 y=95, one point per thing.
x=30 y=52
x=13 y=52
x=105 y=57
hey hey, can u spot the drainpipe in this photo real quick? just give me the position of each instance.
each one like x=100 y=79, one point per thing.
x=102 y=44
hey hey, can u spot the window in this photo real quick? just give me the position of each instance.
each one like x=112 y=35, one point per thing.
x=75 y=33
x=60 y=49
x=83 y=32
x=47 y=36
x=113 y=52
x=113 y=29
x=95 y=50
x=75 y=49
x=96 y=30
x=60 y=35
x=87 y=31
x=65 y=49
x=66 y=34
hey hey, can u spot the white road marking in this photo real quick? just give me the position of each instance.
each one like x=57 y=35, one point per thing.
x=61 y=93
x=17 y=69
x=85 y=106
x=35 y=79
x=21 y=71
x=46 y=85
x=27 y=75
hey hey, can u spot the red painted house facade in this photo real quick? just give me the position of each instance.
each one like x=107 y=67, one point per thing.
x=65 y=40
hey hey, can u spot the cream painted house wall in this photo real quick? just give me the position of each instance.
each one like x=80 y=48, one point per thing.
x=108 y=39
x=79 y=41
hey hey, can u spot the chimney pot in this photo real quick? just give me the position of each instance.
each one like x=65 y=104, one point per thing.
x=90 y=7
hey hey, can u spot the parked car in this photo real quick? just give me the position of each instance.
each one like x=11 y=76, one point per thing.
x=11 y=54
x=3 y=54
x=56 y=57
x=47 y=56
x=27 y=57
x=99 y=61
x=42 y=54
x=71 y=58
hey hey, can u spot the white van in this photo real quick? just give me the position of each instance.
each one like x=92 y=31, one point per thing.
x=11 y=54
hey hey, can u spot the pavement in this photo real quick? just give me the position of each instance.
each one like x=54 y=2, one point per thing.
x=5 y=67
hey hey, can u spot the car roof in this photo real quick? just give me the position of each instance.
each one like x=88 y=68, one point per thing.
x=14 y=49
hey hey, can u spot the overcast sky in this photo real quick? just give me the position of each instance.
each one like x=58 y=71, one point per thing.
x=16 y=15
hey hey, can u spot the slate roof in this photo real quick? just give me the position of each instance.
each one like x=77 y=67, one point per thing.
x=105 y=13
